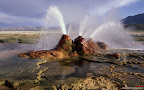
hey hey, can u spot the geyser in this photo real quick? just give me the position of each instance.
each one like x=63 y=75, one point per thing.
x=66 y=48
x=110 y=31
x=54 y=18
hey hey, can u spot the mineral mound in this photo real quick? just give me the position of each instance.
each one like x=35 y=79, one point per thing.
x=69 y=48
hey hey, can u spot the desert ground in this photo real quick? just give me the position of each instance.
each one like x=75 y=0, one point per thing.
x=88 y=72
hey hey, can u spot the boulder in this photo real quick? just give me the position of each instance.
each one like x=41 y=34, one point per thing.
x=83 y=46
x=90 y=44
x=114 y=55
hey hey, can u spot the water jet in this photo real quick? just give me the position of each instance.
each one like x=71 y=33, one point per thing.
x=54 y=17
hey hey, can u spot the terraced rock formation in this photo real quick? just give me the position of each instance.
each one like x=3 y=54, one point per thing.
x=67 y=48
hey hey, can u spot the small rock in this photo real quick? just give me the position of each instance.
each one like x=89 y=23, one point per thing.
x=115 y=55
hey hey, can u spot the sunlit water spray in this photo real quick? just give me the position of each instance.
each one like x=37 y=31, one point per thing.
x=54 y=18
x=83 y=25
x=88 y=25
x=69 y=31
x=104 y=26
x=114 y=34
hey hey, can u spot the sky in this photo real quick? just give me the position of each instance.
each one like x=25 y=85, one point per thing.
x=16 y=13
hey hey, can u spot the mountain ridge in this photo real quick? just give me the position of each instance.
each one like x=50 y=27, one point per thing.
x=136 y=19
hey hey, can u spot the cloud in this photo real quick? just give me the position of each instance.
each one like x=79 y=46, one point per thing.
x=26 y=8
x=10 y=19
x=125 y=2
x=31 y=12
x=108 y=5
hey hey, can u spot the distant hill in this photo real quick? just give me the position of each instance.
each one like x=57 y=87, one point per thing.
x=136 y=22
x=20 y=29
x=28 y=28
x=136 y=19
x=40 y=28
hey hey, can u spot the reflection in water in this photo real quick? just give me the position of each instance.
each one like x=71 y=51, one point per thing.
x=64 y=70
x=16 y=46
x=14 y=68
x=13 y=49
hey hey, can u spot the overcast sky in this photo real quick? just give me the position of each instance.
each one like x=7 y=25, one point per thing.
x=31 y=12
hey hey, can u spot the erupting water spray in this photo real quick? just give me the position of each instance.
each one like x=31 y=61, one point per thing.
x=83 y=24
x=54 y=18
x=115 y=35
x=103 y=27
x=68 y=32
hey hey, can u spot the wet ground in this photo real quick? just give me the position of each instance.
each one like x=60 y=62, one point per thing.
x=25 y=74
